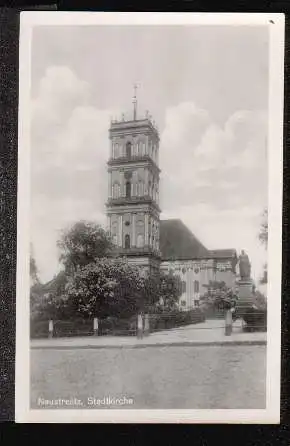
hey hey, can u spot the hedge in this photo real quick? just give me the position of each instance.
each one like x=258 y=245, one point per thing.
x=115 y=326
x=174 y=319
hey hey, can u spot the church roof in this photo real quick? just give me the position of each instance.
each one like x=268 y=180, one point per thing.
x=178 y=242
x=222 y=253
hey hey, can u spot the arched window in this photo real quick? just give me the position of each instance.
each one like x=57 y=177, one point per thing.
x=183 y=285
x=150 y=189
x=196 y=286
x=128 y=189
x=128 y=149
x=114 y=232
x=127 y=241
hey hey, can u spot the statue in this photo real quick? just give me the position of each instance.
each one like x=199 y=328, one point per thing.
x=244 y=266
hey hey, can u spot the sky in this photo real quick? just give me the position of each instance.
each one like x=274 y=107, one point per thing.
x=207 y=89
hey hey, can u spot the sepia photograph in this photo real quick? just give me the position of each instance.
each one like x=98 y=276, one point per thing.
x=149 y=217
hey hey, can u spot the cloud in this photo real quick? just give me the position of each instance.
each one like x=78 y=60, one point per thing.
x=213 y=177
x=69 y=149
x=224 y=166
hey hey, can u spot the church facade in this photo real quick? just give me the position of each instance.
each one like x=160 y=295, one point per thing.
x=133 y=215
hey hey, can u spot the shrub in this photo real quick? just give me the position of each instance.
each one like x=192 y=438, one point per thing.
x=256 y=319
x=175 y=318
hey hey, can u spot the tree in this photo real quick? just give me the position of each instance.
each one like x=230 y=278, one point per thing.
x=160 y=292
x=263 y=237
x=82 y=244
x=218 y=296
x=107 y=287
x=170 y=290
x=33 y=268
x=263 y=234
x=46 y=300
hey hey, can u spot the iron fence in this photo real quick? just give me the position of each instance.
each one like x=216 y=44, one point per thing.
x=251 y=320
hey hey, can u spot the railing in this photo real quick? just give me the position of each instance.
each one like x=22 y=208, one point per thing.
x=134 y=250
x=144 y=324
x=133 y=157
x=133 y=200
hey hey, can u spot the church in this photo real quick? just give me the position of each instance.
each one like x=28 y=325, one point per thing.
x=133 y=215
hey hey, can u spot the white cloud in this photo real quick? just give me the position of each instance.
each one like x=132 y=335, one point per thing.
x=69 y=151
x=214 y=178
x=216 y=181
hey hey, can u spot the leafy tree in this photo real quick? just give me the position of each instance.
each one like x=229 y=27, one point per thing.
x=170 y=290
x=218 y=296
x=160 y=292
x=82 y=244
x=33 y=268
x=263 y=237
x=47 y=299
x=263 y=234
x=107 y=287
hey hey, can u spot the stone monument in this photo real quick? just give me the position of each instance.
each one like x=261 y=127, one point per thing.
x=245 y=283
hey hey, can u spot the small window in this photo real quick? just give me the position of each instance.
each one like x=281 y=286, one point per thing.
x=196 y=286
x=128 y=189
x=183 y=283
x=127 y=241
x=128 y=149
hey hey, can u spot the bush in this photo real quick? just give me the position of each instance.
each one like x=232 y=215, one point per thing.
x=113 y=326
x=62 y=328
x=118 y=327
x=175 y=318
x=256 y=319
x=38 y=329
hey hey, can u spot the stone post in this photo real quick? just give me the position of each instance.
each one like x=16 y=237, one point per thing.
x=50 y=328
x=146 y=325
x=139 y=326
x=228 y=323
x=96 y=326
x=245 y=296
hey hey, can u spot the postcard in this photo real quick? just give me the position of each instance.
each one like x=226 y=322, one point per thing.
x=149 y=217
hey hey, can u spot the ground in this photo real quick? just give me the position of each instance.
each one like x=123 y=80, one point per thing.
x=155 y=377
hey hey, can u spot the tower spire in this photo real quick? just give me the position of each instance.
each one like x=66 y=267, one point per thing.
x=135 y=102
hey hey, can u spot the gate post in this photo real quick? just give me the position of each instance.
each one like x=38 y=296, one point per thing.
x=96 y=326
x=139 y=326
x=228 y=323
x=50 y=328
x=146 y=325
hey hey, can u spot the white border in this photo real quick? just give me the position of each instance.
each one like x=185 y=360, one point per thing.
x=276 y=96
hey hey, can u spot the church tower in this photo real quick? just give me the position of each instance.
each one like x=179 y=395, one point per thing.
x=133 y=191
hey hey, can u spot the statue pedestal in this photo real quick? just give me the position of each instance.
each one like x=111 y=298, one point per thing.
x=245 y=295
